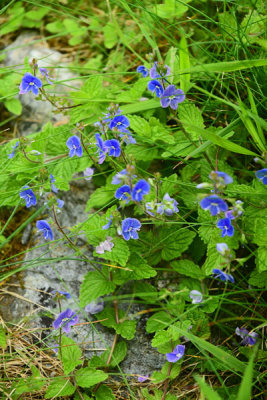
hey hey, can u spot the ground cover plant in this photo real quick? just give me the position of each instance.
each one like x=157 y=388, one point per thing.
x=167 y=124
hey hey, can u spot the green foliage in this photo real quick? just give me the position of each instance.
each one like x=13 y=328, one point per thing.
x=71 y=354
x=126 y=328
x=93 y=286
x=87 y=377
x=58 y=387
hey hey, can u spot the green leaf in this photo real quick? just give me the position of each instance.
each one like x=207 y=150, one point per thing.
x=55 y=27
x=184 y=64
x=13 y=105
x=190 y=115
x=118 y=355
x=93 y=286
x=125 y=328
x=218 y=140
x=160 y=338
x=261 y=258
x=104 y=393
x=258 y=279
x=188 y=268
x=140 y=125
x=100 y=197
x=170 y=9
x=71 y=354
x=110 y=35
x=37 y=14
x=87 y=377
x=227 y=66
x=59 y=387
x=206 y=390
x=119 y=253
x=3 y=338
x=160 y=320
x=174 y=243
x=245 y=389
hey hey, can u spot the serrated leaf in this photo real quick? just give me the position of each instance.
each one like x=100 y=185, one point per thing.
x=188 y=268
x=261 y=258
x=258 y=279
x=142 y=152
x=87 y=377
x=119 y=253
x=174 y=243
x=71 y=354
x=59 y=387
x=140 y=125
x=104 y=393
x=159 y=321
x=100 y=197
x=189 y=114
x=125 y=328
x=160 y=338
x=93 y=286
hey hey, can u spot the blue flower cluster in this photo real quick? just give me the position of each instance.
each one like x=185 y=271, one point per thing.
x=168 y=206
x=140 y=189
x=30 y=83
x=169 y=96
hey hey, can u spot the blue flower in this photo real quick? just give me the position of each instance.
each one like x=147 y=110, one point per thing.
x=30 y=83
x=155 y=86
x=116 y=180
x=221 y=177
x=57 y=292
x=129 y=227
x=150 y=208
x=222 y=248
x=75 y=147
x=28 y=196
x=123 y=193
x=127 y=138
x=222 y=275
x=176 y=354
x=107 y=226
x=168 y=206
x=141 y=188
x=143 y=378
x=196 y=296
x=65 y=320
x=226 y=226
x=142 y=70
x=12 y=154
x=249 y=338
x=88 y=173
x=172 y=97
x=101 y=148
x=214 y=204
x=159 y=72
x=95 y=306
x=262 y=175
x=53 y=187
x=121 y=123
x=44 y=72
x=113 y=147
x=44 y=227
x=60 y=203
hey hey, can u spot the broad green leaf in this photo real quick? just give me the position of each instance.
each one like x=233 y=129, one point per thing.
x=170 y=9
x=126 y=328
x=14 y=106
x=110 y=35
x=184 y=64
x=258 y=279
x=104 y=393
x=188 y=268
x=55 y=27
x=100 y=197
x=71 y=354
x=140 y=125
x=59 y=387
x=160 y=320
x=119 y=253
x=174 y=243
x=93 y=286
x=87 y=377
x=261 y=258
x=160 y=338
x=190 y=115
